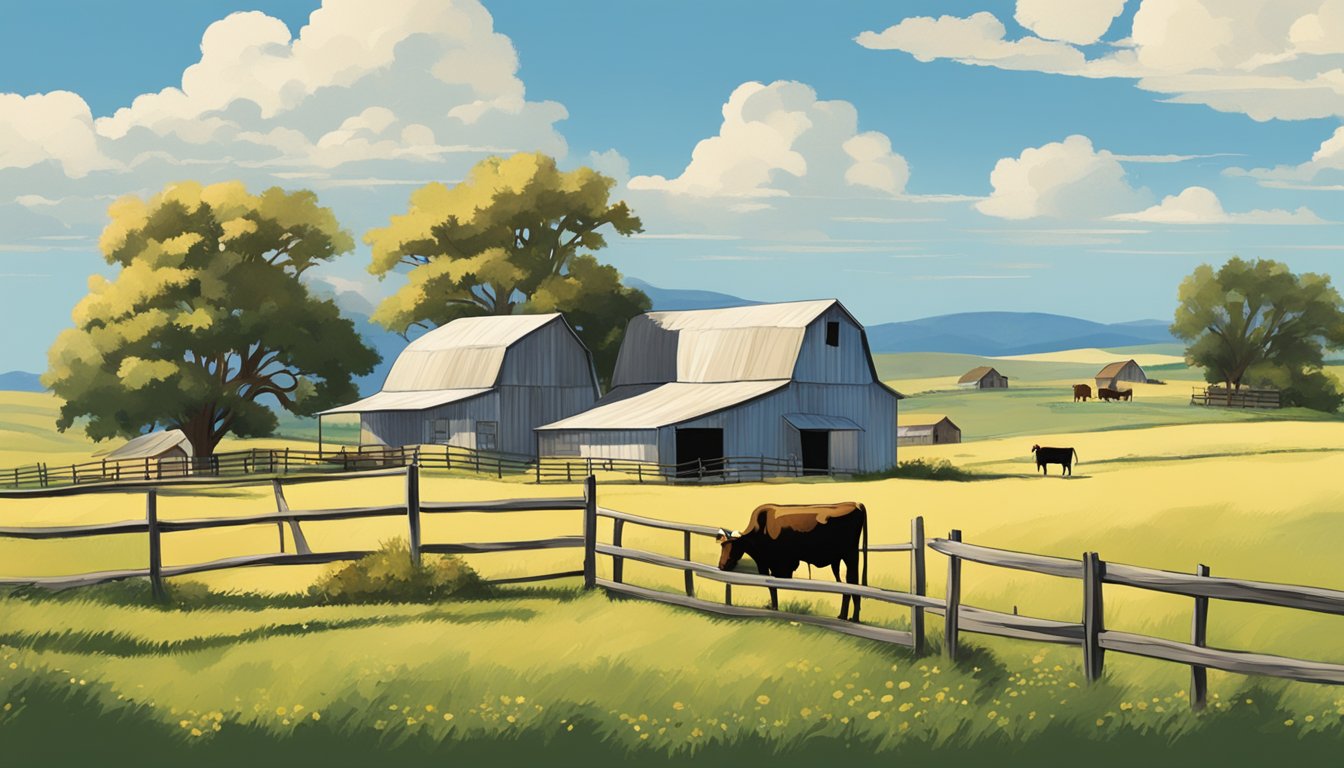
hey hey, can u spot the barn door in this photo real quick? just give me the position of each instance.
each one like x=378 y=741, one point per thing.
x=816 y=451
x=699 y=450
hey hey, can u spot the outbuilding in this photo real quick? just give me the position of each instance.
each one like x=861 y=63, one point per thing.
x=164 y=453
x=983 y=377
x=481 y=383
x=790 y=384
x=1126 y=371
x=926 y=429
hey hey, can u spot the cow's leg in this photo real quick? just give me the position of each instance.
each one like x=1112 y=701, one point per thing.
x=844 y=599
x=852 y=576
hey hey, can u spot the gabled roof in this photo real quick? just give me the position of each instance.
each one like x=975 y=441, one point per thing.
x=152 y=445
x=1114 y=369
x=755 y=343
x=644 y=407
x=976 y=374
x=464 y=354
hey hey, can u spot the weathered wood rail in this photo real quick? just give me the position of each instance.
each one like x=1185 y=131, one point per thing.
x=1095 y=638
x=154 y=527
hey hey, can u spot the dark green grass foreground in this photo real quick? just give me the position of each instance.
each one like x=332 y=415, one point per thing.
x=558 y=677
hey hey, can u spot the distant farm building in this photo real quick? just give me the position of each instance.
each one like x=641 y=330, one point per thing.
x=983 y=377
x=792 y=382
x=926 y=429
x=165 y=453
x=1115 y=373
x=482 y=383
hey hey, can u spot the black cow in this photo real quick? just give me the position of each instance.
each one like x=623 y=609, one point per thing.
x=779 y=537
x=1108 y=394
x=1061 y=456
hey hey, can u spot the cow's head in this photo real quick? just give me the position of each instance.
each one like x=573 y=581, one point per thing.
x=731 y=549
x=1035 y=448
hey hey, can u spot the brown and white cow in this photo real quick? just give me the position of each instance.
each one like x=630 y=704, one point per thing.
x=779 y=537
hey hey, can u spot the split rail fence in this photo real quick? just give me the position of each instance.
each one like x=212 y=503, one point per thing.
x=1090 y=634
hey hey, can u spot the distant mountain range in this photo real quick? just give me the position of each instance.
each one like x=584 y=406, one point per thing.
x=990 y=334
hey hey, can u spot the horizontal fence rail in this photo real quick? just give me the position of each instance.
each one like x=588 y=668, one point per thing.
x=155 y=527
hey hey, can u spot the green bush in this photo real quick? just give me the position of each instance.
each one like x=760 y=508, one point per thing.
x=919 y=469
x=388 y=576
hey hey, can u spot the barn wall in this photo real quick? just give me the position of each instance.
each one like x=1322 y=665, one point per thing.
x=947 y=433
x=549 y=356
x=844 y=364
x=397 y=428
x=1131 y=372
x=523 y=409
x=633 y=444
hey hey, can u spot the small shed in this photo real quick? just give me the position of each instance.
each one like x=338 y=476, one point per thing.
x=165 y=453
x=926 y=429
x=1127 y=371
x=480 y=383
x=983 y=377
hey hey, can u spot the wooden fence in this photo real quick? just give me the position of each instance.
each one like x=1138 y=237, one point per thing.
x=412 y=507
x=288 y=461
x=1245 y=397
x=1095 y=639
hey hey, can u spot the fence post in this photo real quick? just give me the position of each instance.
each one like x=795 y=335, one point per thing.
x=953 y=600
x=727 y=593
x=639 y=472
x=917 y=582
x=690 y=575
x=538 y=465
x=1199 y=676
x=499 y=466
x=590 y=532
x=286 y=460
x=617 y=563
x=74 y=475
x=447 y=456
x=155 y=552
x=1093 y=623
x=413 y=510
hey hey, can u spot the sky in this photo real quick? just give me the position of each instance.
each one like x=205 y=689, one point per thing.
x=911 y=159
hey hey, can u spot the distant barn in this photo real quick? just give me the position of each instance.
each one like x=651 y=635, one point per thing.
x=926 y=429
x=792 y=382
x=165 y=453
x=1115 y=373
x=983 y=377
x=482 y=383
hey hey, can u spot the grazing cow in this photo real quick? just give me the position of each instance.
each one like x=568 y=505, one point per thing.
x=1064 y=457
x=1108 y=394
x=1081 y=392
x=779 y=537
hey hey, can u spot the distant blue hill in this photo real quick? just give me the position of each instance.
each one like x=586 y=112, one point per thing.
x=21 y=381
x=1011 y=333
x=676 y=298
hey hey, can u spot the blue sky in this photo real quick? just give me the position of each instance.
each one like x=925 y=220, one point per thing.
x=910 y=158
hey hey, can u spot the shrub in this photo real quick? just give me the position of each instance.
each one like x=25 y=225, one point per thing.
x=919 y=469
x=389 y=576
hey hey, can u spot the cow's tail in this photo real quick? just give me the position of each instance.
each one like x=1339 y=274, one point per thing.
x=1076 y=460
x=864 y=520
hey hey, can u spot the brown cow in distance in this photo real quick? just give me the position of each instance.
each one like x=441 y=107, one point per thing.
x=779 y=537
x=1081 y=392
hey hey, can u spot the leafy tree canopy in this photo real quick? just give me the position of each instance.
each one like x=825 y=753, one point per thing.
x=207 y=321
x=1257 y=323
x=516 y=236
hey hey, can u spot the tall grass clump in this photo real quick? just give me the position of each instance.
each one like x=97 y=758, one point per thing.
x=919 y=469
x=389 y=576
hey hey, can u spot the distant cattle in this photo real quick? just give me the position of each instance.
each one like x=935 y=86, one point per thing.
x=1061 y=456
x=779 y=537
x=1108 y=394
x=1081 y=392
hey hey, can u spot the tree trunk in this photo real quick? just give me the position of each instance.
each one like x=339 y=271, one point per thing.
x=198 y=431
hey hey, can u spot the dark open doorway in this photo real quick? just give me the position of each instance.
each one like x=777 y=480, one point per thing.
x=816 y=451
x=699 y=451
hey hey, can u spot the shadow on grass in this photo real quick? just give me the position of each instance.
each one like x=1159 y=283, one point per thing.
x=61 y=725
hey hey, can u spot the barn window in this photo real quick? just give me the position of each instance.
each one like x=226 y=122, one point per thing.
x=833 y=334
x=566 y=444
x=487 y=435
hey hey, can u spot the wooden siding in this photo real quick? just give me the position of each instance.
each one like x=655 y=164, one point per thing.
x=523 y=409
x=942 y=433
x=550 y=356
x=397 y=428
x=991 y=380
x=631 y=444
x=843 y=364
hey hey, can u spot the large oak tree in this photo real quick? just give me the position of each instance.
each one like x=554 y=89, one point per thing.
x=1255 y=322
x=208 y=324
x=516 y=236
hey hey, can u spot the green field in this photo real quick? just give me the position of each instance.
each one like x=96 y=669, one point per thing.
x=239 y=673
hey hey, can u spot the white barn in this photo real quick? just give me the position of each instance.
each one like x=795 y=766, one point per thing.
x=792 y=381
x=482 y=383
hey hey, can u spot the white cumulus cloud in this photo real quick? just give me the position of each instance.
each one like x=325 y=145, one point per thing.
x=1199 y=205
x=1068 y=20
x=779 y=140
x=1063 y=179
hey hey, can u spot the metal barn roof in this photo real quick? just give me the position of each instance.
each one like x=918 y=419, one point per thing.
x=817 y=421
x=152 y=445
x=407 y=401
x=636 y=407
x=1114 y=369
x=976 y=374
x=464 y=354
x=755 y=343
